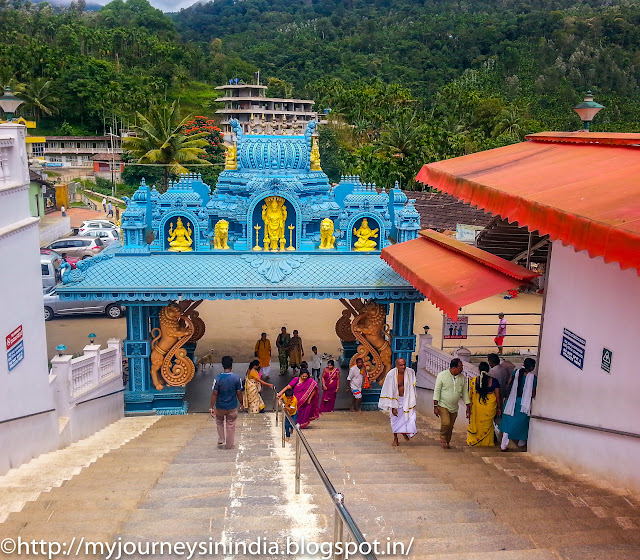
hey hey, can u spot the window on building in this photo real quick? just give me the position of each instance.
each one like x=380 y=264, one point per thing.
x=37 y=150
x=55 y=158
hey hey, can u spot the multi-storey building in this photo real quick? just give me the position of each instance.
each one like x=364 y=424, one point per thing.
x=77 y=151
x=248 y=104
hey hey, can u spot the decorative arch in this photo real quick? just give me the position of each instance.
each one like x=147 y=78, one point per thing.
x=274 y=190
x=182 y=213
x=382 y=234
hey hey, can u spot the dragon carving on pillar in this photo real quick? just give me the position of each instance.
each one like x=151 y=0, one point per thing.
x=369 y=328
x=179 y=324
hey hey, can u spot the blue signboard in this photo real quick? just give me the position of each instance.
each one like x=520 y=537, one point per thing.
x=573 y=348
x=15 y=355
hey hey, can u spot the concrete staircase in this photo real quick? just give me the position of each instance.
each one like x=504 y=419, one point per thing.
x=468 y=503
x=171 y=483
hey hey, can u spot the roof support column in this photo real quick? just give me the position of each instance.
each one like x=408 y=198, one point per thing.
x=403 y=341
x=137 y=348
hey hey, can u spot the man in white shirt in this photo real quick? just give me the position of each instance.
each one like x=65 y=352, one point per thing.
x=315 y=363
x=104 y=205
x=398 y=396
x=502 y=332
x=356 y=379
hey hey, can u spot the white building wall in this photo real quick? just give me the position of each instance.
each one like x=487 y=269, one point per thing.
x=25 y=431
x=600 y=303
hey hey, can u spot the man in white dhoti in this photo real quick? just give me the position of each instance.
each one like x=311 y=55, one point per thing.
x=398 y=395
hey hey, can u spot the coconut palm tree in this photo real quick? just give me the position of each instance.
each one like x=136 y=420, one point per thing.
x=38 y=96
x=160 y=140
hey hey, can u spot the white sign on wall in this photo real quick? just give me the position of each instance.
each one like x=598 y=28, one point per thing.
x=456 y=329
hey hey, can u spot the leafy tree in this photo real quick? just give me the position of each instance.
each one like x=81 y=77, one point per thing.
x=160 y=139
x=214 y=151
x=38 y=96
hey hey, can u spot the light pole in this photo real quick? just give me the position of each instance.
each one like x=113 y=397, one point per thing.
x=587 y=110
x=9 y=103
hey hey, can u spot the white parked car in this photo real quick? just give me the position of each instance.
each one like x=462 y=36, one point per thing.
x=96 y=224
x=53 y=306
x=107 y=236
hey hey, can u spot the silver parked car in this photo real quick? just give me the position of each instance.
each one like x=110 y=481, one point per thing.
x=53 y=306
x=95 y=224
x=108 y=236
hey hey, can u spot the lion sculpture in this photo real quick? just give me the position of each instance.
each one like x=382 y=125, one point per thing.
x=221 y=235
x=167 y=344
x=327 y=239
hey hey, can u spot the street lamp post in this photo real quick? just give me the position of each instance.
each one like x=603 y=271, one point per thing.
x=587 y=110
x=9 y=103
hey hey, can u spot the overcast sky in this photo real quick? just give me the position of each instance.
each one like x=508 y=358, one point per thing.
x=164 y=5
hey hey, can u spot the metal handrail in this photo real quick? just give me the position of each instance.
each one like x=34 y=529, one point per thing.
x=342 y=514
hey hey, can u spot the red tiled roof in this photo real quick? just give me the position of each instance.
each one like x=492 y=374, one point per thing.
x=452 y=274
x=580 y=188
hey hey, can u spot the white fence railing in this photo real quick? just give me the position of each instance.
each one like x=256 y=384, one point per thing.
x=89 y=372
x=432 y=360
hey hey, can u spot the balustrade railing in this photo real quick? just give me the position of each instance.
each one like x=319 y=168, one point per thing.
x=108 y=367
x=432 y=360
x=94 y=368
x=82 y=375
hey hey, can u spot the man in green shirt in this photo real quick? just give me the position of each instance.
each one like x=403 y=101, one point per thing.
x=451 y=386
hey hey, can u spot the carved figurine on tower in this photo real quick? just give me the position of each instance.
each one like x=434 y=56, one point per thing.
x=231 y=158
x=364 y=234
x=274 y=215
x=314 y=159
x=180 y=238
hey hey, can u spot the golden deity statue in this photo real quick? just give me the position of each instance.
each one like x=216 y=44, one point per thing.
x=231 y=158
x=364 y=234
x=274 y=215
x=315 y=156
x=327 y=239
x=180 y=238
x=221 y=235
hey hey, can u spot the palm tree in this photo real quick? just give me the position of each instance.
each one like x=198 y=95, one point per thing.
x=38 y=96
x=160 y=140
x=402 y=141
x=510 y=122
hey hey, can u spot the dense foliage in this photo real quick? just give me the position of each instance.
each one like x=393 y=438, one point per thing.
x=406 y=81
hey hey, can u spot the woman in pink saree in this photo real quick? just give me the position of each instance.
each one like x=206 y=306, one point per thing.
x=330 y=386
x=305 y=390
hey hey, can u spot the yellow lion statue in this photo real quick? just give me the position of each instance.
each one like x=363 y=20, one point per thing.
x=327 y=239
x=221 y=235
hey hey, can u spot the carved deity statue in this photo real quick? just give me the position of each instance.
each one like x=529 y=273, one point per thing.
x=180 y=238
x=231 y=158
x=370 y=329
x=364 y=234
x=274 y=215
x=168 y=356
x=221 y=235
x=327 y=239
x=314 y=158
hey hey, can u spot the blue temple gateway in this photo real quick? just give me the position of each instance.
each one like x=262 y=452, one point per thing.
x=272 y=228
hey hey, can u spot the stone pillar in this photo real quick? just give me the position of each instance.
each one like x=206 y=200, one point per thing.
x=403 y=341
x=137 y=348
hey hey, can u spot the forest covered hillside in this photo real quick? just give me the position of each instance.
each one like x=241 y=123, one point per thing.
x=411 y=81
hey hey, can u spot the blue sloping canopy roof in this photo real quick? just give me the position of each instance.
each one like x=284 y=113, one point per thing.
x=164 y=277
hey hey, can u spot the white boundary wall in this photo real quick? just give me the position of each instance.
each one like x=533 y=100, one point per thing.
x=600 y=303
x=26 y=429
x=41 y=412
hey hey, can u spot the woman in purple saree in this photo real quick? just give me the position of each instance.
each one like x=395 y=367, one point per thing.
x=305 y=390
x=330 y=386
